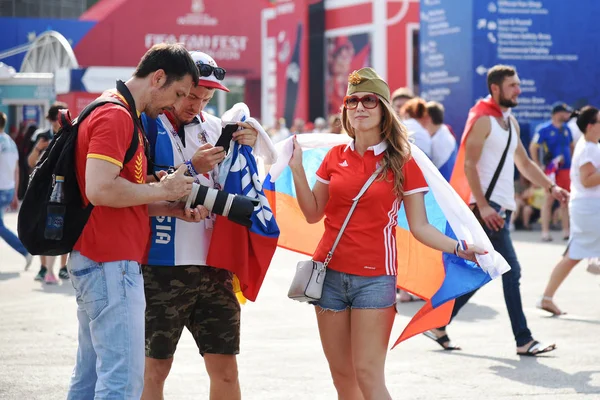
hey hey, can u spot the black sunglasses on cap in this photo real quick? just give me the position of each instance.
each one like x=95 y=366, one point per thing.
x=207 y=70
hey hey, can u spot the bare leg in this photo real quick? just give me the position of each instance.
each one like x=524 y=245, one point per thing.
x=223 y=372
x=564 y=209
x=527 y=213
x=334 y=329
x=371 y=330
x=560 y=272
x=155 y=375
x=50 y=264
x=547 y=217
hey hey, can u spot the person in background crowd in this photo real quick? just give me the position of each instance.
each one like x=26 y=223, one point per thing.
x=320 y=125
x=557 y=142
x=417 y=119
x=181 y=289
x=279 y=132
x=105 y=264
x=575 y=131
x=9 y=185
x=25 y=147
x=356 y=311
x=529 y=200
x=335 y=123
x=41 y=139
x=443 y=142
x=584 y=205
x=488 y=130
x=399 y=98
x=298 y=127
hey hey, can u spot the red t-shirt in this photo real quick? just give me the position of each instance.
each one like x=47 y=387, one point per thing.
x=368 y=245
x=112 y=234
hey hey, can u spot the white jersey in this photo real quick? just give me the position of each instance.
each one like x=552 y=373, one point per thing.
x=585 y=152
x=9 y=156
x=173 y=241
x=443 y=145
x=504 y=191
x=419 y=135
x=575 y=131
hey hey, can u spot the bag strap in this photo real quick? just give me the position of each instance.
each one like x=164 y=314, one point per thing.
x=106 y=100
x=488 y=193
x=135 y=141
x=358 y=196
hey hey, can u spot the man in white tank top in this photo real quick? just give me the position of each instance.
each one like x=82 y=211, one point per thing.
x=487 y=134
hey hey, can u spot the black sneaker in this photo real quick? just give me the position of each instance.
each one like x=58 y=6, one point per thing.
x=63 y=273
x=41 y=275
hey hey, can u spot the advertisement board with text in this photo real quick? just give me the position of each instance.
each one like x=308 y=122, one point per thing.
x=552 y=44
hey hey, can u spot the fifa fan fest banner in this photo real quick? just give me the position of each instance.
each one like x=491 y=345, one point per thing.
x=124 y=30
x=547 y=41
x=285 y=61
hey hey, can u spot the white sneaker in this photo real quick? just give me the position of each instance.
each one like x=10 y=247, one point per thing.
x=28 y=260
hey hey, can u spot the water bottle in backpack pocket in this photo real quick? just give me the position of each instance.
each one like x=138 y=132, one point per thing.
x=56 y=210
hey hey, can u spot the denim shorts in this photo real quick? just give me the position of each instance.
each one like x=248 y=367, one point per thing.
x=342 y=291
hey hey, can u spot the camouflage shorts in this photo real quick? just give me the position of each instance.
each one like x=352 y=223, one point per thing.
x=197 y=297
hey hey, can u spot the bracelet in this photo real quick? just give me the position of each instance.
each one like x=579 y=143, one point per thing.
x=191 y=168
x=456 y=249
x=551 y=187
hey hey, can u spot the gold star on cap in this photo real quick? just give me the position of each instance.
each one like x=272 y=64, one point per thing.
x=354 y=78
x=367 y=80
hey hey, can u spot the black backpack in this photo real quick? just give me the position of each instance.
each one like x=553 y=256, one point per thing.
x=59 y=159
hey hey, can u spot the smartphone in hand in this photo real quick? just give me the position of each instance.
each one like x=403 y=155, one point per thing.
x=226 y=136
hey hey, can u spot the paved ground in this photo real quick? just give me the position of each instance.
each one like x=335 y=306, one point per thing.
x=281 y=356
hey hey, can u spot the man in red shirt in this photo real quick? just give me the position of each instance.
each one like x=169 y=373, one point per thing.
x=105 y=263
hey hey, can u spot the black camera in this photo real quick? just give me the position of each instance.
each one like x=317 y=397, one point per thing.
x=235 y=207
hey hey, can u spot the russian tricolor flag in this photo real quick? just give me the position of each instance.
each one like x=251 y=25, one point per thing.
x=245 y=252
x=437 y=277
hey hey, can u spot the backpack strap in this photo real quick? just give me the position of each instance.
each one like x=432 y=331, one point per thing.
x=135 y=141
x=151 y=130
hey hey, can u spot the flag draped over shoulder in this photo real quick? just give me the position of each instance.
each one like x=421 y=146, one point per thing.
x=484 y=107
x=437 y=277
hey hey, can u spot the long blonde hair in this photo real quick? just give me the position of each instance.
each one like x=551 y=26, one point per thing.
x=396 y=136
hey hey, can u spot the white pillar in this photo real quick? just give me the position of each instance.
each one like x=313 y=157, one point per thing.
x=267 y=73
x=379 y=39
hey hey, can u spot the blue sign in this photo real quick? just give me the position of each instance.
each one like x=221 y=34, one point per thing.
x=22 y=31
x=31 y=114
x=446 y=56
x=551 y=43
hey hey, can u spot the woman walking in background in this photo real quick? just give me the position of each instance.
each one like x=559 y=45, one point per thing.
x=584 y=206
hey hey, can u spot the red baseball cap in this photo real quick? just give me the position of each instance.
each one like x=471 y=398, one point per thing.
x=210 y=81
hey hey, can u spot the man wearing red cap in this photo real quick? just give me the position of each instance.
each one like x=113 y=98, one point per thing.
x=181 y=290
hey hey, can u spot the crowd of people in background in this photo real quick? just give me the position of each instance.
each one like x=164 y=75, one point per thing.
x=551 y=147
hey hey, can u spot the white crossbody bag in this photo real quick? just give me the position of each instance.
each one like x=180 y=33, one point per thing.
x=310 y=275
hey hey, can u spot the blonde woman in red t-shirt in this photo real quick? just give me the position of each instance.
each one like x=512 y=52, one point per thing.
x=356 y=311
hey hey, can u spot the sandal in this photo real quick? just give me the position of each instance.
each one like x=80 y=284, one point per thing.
x=536 y=349
x=552 y=309
x=441 y=341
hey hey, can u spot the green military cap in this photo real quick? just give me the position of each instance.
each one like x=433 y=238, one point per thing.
x=367 y=80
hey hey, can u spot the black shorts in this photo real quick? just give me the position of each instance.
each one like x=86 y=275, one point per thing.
x=198 y=297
